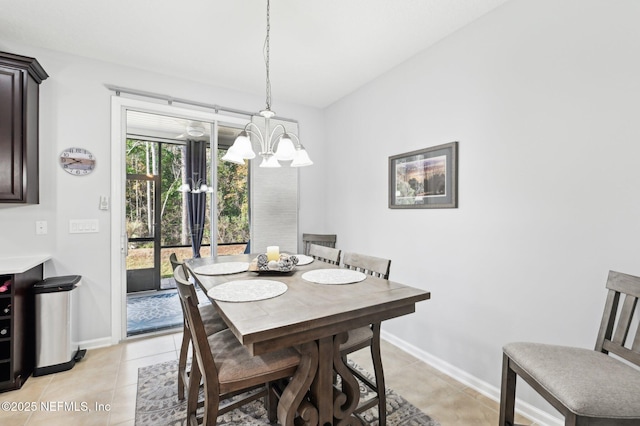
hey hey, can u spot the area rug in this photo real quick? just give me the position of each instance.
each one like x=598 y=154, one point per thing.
x=157 y=404
x=156 y=311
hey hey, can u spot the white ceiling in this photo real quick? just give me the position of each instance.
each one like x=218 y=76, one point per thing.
x=321 y=50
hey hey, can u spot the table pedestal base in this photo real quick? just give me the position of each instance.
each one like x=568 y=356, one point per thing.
x=312 y=397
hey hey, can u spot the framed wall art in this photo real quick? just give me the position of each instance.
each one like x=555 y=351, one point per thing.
x=424 y=179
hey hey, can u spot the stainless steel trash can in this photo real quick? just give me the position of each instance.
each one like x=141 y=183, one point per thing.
x=55 y=349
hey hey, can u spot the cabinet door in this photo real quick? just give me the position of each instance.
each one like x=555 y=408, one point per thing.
x=11 y=134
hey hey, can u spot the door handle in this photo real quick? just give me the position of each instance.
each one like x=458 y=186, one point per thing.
x=124 y=245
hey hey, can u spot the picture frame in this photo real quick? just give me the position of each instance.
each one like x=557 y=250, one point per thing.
x=424 y=179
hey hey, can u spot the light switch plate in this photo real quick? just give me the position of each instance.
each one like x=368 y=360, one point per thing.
x=104 y=203
x=83 y=226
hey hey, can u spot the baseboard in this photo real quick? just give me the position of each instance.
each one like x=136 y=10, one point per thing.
x=533 y=413
x=96 y=343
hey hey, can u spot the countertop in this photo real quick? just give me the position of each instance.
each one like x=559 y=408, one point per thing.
x=20 y=264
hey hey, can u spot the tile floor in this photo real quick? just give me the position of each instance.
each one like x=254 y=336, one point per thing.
x=101 y=389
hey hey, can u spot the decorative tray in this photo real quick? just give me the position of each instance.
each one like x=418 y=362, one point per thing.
x=284 y=265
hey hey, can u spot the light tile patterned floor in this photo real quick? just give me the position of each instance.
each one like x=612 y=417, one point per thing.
x=101 y=389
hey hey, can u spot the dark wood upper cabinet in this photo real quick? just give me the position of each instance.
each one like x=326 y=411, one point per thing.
x=20 y=79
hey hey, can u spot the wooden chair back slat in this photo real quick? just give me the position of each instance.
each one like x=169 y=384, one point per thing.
x=616 y=323
x=179 y=274
x=327 y=240
x=370 y=265
x=624 y=320
x=623 y=283
x=174 y=261
x=608 y=319
x=325 y=254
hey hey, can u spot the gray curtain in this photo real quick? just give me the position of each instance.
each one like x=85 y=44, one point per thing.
x=196 y=173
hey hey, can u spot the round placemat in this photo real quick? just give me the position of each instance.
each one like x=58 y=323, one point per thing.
x=303 y=259
x=247 y=290
x=333 y=276
x=222 y=268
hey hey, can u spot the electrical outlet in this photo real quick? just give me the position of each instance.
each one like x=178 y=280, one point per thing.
x=41 y=227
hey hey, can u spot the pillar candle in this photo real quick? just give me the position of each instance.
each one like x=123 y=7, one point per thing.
x=273 y=253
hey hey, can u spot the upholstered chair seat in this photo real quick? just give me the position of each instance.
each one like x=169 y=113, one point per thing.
x=358 y=338
x=587 y=382
x=238 y=369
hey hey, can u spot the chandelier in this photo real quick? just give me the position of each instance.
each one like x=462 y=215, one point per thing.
x=196 y=187
x=287 y=149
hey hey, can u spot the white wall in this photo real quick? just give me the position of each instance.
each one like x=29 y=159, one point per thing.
x=543 y=97
x=75 y=111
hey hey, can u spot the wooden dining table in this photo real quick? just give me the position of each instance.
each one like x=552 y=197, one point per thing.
x=314 y=318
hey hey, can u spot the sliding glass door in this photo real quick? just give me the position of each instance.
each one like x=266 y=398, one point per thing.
x=160 y=178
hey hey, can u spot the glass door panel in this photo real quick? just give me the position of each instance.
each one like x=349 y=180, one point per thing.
x=142 y=232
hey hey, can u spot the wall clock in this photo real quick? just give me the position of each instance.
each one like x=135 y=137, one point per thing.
x=77 y=161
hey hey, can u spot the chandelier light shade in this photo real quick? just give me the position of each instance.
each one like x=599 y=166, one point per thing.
x=301 y=158
x=196 y=187
x=276 y=144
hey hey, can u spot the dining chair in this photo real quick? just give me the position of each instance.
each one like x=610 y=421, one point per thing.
x=325 y=254
x=327 y=240
x=213 y=323
x=368 y=336
x=589 y=387
x=226 y=368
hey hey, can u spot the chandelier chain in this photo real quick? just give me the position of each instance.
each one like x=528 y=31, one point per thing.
x=276 y=144
x=266 y=58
